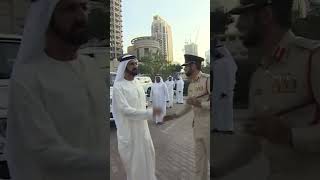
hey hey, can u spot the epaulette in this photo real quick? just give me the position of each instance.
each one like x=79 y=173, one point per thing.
x=305 y=43
x=205 y=75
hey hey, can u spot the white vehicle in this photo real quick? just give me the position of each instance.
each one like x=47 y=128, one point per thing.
x=146 y=82
x=112 y=79
x=9 y=47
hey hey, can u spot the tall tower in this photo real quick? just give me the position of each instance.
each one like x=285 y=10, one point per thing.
x=191 y=48
x=161 y=30
x=115 y=29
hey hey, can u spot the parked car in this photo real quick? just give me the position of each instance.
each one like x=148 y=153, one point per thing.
x=112 y=79
x=9 y=47
x=146 y=82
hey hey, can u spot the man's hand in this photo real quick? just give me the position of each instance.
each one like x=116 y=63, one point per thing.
x=194 y=101
x=223 y=95
x=270 y=127
x=156 y=112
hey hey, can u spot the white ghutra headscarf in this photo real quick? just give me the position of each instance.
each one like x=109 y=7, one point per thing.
x=123 y=65
x=34 y=32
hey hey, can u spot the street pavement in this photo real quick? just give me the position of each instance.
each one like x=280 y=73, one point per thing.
x=174 y=149
x=225 y=146
x=173 y=143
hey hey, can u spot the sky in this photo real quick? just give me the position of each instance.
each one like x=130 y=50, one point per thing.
x=189 y=20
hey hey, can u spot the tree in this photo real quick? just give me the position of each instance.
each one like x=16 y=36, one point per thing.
x=206 y=69
x=156 y=64
x=177 y=68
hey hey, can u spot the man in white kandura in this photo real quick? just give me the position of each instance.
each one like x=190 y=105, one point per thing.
x=159 y=97
x=179 y=90
x=224 y=71
x=57 y=110
x=129 y=110
x=170 y=86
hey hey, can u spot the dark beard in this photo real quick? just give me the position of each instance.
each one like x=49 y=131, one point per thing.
x=252 y=40
x=133 y=73
x=74 y=37
x=188 y=73
x=254 y=37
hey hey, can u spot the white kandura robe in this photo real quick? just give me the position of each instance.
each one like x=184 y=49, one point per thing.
x=57 y=126
x=159 y=97
x=179 y=91
x=134 y=140
x=224 y=73
x=170 y=85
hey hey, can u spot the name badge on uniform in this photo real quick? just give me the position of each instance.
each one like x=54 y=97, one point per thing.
x=199 y=88
x=286 y=83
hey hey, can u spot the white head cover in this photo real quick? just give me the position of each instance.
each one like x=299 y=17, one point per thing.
x=122 y=66
x=161 y=80
x=34 y=32
x=224 y=51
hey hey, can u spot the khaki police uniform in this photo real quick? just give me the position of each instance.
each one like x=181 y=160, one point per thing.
x=200 y=87
x=286 y=84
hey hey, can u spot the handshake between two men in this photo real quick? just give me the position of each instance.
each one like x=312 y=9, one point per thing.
x=191 y=101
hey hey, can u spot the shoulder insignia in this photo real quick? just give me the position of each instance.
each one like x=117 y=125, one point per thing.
x=305 y=43
x=205 y=75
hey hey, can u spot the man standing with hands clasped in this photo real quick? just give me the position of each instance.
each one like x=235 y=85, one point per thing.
x=170 y=85
x=159 y=98
x=179 y=90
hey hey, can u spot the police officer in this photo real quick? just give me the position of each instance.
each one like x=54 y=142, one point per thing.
x=199 y=101
x=284 y=92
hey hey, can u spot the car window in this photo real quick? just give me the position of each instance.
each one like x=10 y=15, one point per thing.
x=8 y=55
x=112 y=79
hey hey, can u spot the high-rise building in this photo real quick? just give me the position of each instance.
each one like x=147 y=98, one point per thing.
x=191 y=48
x=161 y=30
x=207 y=60
x=144 y=46
x=115 y=29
